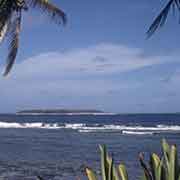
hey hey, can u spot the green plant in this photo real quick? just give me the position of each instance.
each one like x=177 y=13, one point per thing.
x=164 y=168
x=158 y=168
x=108 y=168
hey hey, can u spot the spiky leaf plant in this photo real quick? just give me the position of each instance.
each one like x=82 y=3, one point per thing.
x=108 y=168
x=158 y=168
x=164 y=168
x=10 y=22
x=123 y=172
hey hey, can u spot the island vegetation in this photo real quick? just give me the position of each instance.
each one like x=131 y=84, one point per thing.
x=60 y=111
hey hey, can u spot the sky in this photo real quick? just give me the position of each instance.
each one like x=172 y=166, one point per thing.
x=100 y=60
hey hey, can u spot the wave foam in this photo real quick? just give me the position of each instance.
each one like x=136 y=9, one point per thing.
x=138 y=132
x=84 y=128
x=38 y=125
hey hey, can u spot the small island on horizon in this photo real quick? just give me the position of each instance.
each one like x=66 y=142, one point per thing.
x=82 y=112
x=62 y=112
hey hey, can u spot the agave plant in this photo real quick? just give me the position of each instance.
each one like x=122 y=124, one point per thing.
x=161 y=18
x=10 y=22
x=108 y=169
x=158 y=168
x=164 y=168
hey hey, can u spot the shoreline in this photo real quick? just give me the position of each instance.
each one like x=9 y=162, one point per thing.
x=67 y=114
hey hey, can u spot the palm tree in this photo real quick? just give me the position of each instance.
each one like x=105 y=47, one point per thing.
x=10 y=22
x=161 y=18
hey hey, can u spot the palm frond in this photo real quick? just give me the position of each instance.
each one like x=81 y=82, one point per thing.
x=3 y=3
x=3 y=32
x=5 y=16
x=55 y=13
x=161 y=18
x=14 y=43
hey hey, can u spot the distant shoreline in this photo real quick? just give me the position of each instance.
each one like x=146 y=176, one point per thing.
x=95 y=112
x=62 y=112
x=67 y=114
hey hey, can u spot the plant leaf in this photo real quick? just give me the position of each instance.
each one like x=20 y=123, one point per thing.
x=104 y=168
x=55 y=13
x=160 y=19
x=147 y=173
x=14 y=43
x=123 y=172
x=90 y=174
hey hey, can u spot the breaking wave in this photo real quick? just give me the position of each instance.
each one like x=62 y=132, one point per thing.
x=88 y=128
x=138 y=132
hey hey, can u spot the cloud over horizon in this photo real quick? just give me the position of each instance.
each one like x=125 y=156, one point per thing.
x=79 y=74
x=99 y=59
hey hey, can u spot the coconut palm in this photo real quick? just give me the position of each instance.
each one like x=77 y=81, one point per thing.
x=161 y=18
x=10 y=22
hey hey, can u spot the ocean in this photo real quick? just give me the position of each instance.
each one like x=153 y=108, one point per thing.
x=61 y=146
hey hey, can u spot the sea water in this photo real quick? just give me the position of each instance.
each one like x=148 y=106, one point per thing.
x=60 y=147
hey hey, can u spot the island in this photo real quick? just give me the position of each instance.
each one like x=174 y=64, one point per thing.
x=62 y=112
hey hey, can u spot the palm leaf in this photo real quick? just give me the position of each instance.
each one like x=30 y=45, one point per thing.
x=3 y=32
x=56 y=14
x=14 y=43
x=5 y=16
x=161 y=18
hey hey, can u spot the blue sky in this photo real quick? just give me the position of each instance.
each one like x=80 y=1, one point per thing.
x=100 y=60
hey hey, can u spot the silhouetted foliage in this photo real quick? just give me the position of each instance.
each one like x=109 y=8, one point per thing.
x=10 y=22
x=162 y=17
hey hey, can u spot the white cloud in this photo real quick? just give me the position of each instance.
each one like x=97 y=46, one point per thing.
x=97 y=60
x=73 y=73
